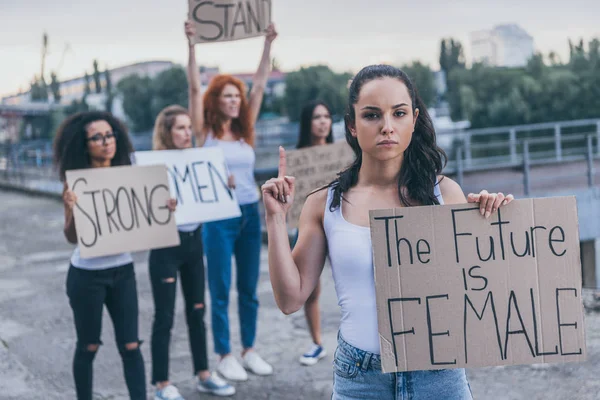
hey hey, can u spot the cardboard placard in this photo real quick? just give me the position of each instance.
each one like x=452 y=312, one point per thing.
x=227 y=20
x=313 y=168
x=122 y=209
x=457 y=290
x=198 y=180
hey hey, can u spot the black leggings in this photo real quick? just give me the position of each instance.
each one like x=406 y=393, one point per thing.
x=164 y=265
x=88 y=292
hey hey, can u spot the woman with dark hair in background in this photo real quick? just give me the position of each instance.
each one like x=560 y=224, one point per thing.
x=227 y=121
x=99 y=140
x=398 y=164
x=173 y=130
x=315 y=130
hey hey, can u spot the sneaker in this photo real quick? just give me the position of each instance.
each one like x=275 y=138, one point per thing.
x=313 y=356
x=169 y=392
x=215 y=385
x=255 y=364
x=230 y=369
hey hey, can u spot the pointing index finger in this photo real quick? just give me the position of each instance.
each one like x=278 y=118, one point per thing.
x=282 y=162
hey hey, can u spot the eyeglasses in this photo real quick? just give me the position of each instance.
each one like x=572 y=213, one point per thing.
x=99 y=138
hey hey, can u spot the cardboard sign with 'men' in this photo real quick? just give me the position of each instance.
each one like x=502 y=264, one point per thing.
x=313 y=168
x=457 y=290
x=122 y=209
x=198 y=180
x=227 y=20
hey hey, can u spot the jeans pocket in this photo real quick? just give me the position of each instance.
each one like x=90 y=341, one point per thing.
x=344 y=368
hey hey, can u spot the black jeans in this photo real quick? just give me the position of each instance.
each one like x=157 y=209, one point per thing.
x=164 y=264
x=88 y=292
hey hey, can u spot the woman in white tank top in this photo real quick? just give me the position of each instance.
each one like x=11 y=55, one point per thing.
x=398 y=164
x=226 y=119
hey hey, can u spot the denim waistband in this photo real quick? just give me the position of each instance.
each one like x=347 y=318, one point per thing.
x=363 y=359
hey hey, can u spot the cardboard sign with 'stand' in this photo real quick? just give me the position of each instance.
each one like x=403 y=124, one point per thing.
x=122 y=209
x=457 y=290
x=198 y=180
x=227 y=20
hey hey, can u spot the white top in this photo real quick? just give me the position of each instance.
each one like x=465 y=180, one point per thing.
x=188 y=227
x=351 y=257
x=240 y=159
x=98 y=263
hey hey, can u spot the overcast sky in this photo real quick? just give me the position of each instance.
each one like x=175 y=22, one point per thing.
x=344 y=34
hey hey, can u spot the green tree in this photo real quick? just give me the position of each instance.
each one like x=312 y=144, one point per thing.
x=138 y=94
x=55 y=87
x=76 y=106
x=315 y=83
x=168 y=88
x=97 y=83
x=422 y=77
x=87 y=89
x=39 y=90
x=109 y=90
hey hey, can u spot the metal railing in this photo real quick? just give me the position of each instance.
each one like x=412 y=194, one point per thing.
x=518 y=147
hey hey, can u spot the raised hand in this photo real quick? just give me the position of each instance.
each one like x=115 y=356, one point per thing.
x=271 y=33
x=190 y=30
x=278 y=193
x=489 y=202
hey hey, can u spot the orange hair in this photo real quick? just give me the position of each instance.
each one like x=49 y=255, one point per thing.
x=213 y=118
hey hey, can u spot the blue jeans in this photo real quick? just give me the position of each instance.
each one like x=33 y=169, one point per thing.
x=357 y=375
x=240 y=237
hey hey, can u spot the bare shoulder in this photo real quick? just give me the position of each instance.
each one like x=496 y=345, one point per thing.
x=451 y=191
x=314 y=206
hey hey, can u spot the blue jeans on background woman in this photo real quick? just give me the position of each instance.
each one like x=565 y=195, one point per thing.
x=240 y=237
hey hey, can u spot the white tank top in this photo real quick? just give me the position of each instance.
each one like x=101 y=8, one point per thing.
x=240 y=159
x=98 y=263
x=351 y=258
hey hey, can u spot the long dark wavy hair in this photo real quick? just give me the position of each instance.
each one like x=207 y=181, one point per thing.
x=423 y=159
x=306 y=117
x=70 y=144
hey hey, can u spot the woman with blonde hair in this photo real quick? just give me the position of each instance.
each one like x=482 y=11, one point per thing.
x=227 y=121
x=173 y=130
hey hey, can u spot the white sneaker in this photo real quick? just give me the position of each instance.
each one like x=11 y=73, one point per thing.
x=215 y=385
x=169 y=392
x=255 y=364
x=312 y=356
x=231 y=369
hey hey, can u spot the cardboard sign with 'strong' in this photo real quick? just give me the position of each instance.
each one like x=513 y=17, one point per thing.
x=122 y=209
x=457 y=290
x=198 y=180
x=313 y=168
x=227 y=20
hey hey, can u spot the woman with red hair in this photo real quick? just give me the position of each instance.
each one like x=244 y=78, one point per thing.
x=226 y=120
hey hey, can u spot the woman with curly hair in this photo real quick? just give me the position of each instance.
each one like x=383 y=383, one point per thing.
x=99 y=140
x=227 y=121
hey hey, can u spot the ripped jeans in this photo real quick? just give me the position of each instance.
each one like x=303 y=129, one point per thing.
x=358 y=375
x=89 y=291
x=164 y=265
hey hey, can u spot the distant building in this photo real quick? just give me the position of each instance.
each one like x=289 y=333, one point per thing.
x=74 y=89
x=503 y=46
x=13 y=108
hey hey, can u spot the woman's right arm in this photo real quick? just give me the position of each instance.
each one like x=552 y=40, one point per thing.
x=69 y=199
x=195 y=105
x=294 y=275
